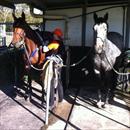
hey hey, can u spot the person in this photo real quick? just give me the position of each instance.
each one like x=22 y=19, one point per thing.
x=55 y=46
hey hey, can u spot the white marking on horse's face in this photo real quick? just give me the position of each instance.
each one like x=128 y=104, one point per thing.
x=101 y=30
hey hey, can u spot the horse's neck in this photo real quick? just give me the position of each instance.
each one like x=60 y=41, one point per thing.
x=31 y=46
x=32 y=36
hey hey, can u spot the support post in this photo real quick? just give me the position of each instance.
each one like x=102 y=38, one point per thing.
x=83 y=24
x=127 y=39
x=44 y=22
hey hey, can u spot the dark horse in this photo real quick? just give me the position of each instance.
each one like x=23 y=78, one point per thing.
x=34 y=56
x=107 y=55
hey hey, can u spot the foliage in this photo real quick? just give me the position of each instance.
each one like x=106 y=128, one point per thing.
x=6 y=14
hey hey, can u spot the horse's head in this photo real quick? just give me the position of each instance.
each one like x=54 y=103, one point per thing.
x=100 y=31
x=25 y=37
x=18 y=30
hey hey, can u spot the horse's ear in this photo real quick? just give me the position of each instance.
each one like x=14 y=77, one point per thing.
x=95 y=17
x=23 y=15
x=14 y=17
x=106 y=17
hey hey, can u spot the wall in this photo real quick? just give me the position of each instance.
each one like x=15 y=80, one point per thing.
x=74 y=25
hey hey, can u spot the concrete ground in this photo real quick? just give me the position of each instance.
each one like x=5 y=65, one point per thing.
x=76 y=112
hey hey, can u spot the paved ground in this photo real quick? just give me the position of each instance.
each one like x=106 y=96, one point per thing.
x=76 y=112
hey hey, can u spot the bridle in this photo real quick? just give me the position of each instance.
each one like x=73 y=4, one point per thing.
x=102 y=48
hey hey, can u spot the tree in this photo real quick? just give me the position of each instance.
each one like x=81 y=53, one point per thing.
x=4 y=11
x=26 y=9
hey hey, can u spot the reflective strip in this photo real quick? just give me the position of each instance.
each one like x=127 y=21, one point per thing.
x=33 y=53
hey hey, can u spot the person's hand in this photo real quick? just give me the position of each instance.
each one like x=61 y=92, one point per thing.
x=45 y=49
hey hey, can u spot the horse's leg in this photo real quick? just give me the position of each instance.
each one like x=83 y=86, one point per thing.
x=99 y=102
x=19 y=74
x=98 y=75
x=110 y=81
x=42 y=97
x=106 y=102
x=29 y=87
x=42 y=85
x=25 y=85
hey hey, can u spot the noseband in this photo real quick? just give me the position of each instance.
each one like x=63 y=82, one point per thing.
x=103 y=41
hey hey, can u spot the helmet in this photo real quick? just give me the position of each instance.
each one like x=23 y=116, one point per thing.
x=58 y=32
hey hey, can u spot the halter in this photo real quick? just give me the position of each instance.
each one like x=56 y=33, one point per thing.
x=101 y=39
x=102 y=49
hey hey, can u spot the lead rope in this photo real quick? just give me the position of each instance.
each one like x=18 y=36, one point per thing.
x=119 y=73
x=72 y=65
x=82 y=59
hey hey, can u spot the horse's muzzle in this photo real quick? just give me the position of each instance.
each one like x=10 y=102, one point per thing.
x=19 y=44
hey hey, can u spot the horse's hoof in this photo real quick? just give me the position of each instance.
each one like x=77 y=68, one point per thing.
x=52 y=108
x=26 y=97
x=99 y=104
x=44 y=127
x=105 y=105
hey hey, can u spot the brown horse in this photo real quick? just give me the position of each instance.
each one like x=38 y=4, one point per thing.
x=34 y=53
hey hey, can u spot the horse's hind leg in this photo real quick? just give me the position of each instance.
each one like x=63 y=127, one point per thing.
x=30 y=86
x=42 y=97
x=110 y=83
x=99 y=103
x=107 y=95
